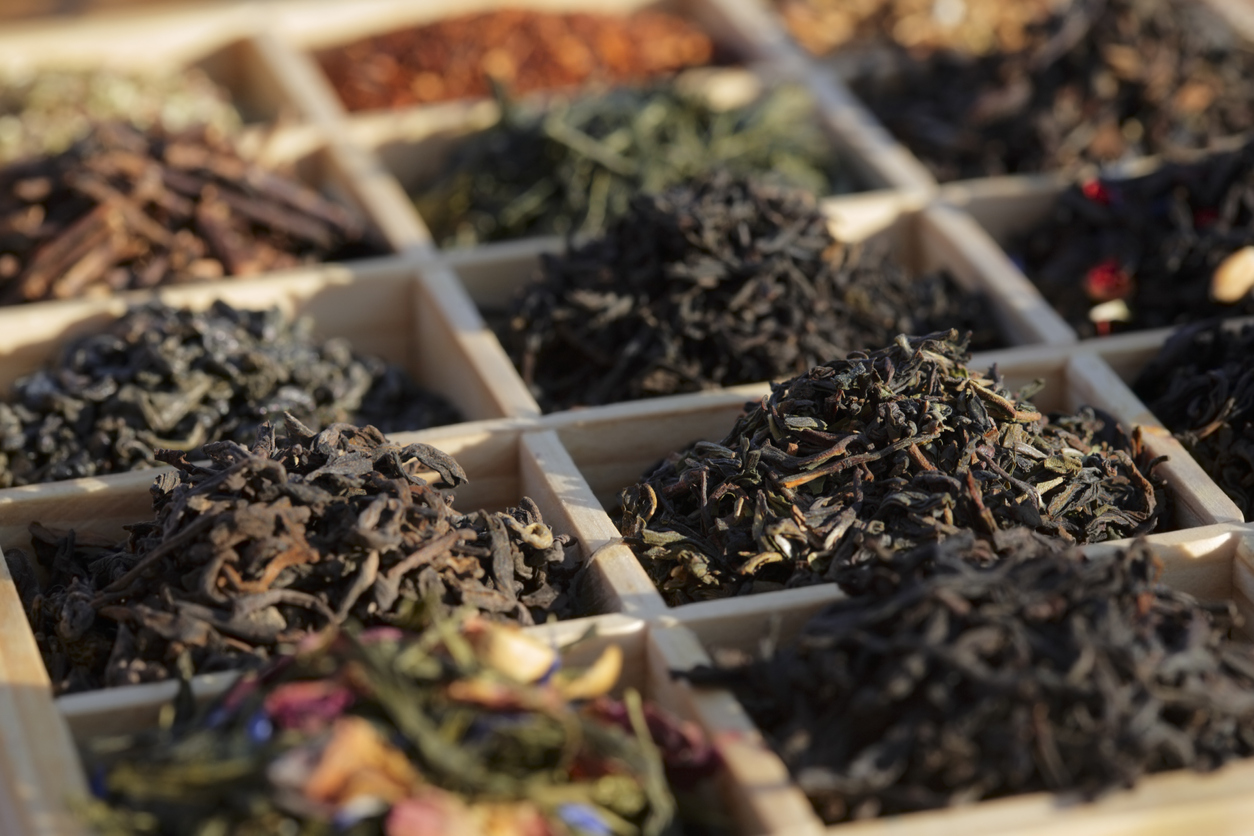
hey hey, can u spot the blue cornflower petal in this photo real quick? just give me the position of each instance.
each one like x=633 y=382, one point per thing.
x=584 y=818
x=260 y=729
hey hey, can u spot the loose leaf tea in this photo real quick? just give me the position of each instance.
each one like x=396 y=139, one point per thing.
x=160 y=377
x=880 y=452
x=46 y=112
x=973 y=27
x=394 y=735
x=1201 y=386
x=263 y=546
x=956 y=682
x=121 y=210
x=525 y=50
x=1150 y=251
x=713 y=283
x=1101 y=81
x=573 y=167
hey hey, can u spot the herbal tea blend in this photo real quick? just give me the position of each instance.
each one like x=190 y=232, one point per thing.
x=263 y=546
x=1201 y=386
x=878 y=453
x=450 y=731
x=713 y=283
x=1172 y=246
x=121 y=210
x=520 y=49
x=972 y=27
x=1102 y=81
x=46 y=112
x=571 y=168
x=161 y=377
x=1040 y=670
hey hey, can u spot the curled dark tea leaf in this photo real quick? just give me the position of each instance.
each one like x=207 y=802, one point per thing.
x=880 y=452
x=264 y=546
x=1201 y=386
x=965 y=672
x=713 y=283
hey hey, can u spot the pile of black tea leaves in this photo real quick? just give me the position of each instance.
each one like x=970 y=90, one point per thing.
x=160 y=377
x=717 y=282
x=1201 y=386
x=1169 y=247
x=262 y=546
x=572 y=167
x=967 y=670
x=882 y=451
x=463 y=727
x=1100 y=82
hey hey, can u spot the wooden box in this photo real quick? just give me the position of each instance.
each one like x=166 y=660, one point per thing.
x=427 y=309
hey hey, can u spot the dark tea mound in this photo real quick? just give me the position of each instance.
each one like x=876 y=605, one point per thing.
x=1173 y=246
x=263 y=546
x=574 y=167
x=161 y=377
x=386 y=734
x=1042 y=670
x=121 y=210
x=714 y=283
x=523 y=49
x=1201 y=386
x=1099 y=82
x=880 y=452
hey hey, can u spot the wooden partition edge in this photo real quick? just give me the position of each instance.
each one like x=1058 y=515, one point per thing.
x=756 y=784
x=448 y=321
x=620 y=583
x=1201 y=501
x=39 y=765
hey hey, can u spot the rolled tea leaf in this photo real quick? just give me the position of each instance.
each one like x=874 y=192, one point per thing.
x=161 y=377
x=878 y=453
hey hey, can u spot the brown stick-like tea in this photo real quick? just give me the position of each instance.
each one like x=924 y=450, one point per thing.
x=121 y=210
x=880 y=452
x=253 y=552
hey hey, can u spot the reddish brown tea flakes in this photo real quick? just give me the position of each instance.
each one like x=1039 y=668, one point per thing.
x=458 y=57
